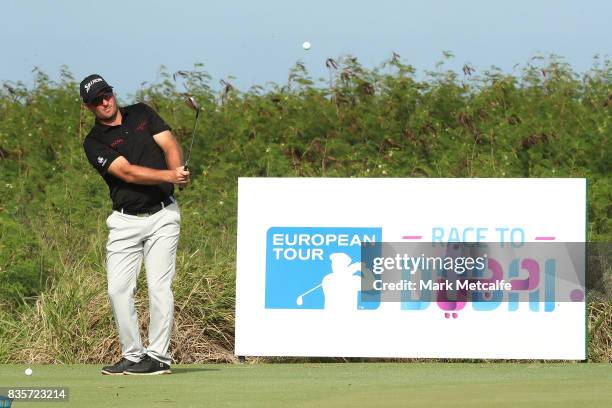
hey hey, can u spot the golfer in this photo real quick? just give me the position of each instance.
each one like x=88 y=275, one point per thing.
x=139 y=159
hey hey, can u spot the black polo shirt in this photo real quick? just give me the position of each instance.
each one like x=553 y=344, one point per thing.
x=132 y=139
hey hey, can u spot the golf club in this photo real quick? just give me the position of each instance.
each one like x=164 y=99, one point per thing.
x=193 y=104
x=300 y=299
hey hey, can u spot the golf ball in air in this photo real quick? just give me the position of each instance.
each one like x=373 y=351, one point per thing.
x=28 y=371
x=306 y=45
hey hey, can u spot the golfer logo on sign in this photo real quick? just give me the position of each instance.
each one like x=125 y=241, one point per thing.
x=317 y=268
x=140 y=172
x=341 y=287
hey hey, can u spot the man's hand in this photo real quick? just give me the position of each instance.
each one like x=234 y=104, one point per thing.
x=179 y=176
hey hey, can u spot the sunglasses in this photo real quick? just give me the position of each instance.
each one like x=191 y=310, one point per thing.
x=98 y=99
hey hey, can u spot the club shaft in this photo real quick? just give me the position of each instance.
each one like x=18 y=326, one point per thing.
x=310 y=290
x=193 y=133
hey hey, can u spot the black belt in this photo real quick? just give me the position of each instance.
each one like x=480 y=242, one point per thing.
x=145 y=212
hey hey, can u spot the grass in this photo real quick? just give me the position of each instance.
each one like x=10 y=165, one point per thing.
x=330 y=385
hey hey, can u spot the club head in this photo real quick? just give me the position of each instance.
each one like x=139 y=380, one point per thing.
x=193 y=104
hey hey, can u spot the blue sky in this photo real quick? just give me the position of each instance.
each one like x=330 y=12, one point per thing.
x=258 y=41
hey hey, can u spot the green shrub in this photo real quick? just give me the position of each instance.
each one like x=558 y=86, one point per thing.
x=547 y=121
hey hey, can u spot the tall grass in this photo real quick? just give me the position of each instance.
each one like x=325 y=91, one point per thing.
x=545 y=121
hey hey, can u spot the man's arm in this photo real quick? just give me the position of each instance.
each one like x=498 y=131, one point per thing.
x=131 y=173
x=171 y=148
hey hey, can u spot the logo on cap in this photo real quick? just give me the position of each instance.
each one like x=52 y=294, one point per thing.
x=90 y=83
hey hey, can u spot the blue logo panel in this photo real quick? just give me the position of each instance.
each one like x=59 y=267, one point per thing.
x=316 y=267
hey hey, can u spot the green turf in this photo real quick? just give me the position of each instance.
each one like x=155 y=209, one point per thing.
x=329 y=385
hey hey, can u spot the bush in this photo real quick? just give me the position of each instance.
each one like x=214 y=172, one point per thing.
x=383 y=122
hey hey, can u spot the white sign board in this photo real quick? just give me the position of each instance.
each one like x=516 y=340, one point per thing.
x=295 y=234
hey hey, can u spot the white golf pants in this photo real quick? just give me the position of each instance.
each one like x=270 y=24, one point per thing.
x=132 y=238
